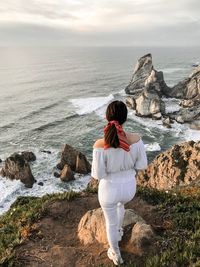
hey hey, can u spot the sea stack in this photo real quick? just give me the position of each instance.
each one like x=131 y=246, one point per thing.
x=144 y=74
x=146 y=88
x=16 y=167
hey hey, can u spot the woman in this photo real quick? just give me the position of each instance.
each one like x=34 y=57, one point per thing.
x=116 y=158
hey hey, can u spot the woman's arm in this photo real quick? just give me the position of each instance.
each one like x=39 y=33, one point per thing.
x=98 y=161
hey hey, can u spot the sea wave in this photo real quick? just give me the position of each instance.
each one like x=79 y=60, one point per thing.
x=153 y=147
x=55 y=123
x=29 y=115
x=173 y=70
x=190 y=134
x=87 y=105
x=7 y=126
x=147 y=122
x=38 y=111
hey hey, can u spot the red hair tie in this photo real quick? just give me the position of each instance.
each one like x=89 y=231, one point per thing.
x=123 y=141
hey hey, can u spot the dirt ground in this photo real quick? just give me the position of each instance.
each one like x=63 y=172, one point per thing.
x=53 y=241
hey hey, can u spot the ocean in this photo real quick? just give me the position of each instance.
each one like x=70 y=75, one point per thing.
x=50 y=96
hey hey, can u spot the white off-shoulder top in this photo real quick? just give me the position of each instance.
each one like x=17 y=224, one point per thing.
x=117 y=160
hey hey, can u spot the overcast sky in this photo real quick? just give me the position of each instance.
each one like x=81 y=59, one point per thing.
x=100 y=22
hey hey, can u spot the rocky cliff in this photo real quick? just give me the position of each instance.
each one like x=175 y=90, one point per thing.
x=178 y=166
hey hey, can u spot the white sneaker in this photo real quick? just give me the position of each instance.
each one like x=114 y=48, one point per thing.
x=117 y=259
x=120 y=233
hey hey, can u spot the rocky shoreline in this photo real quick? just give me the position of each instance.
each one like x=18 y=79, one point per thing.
x=145 y=94
x=17 y=167
x=69 y=230
x=147 y=89
x=178 y=166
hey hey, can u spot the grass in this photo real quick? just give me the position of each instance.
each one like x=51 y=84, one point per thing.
x=16 y=224
x=178 y=245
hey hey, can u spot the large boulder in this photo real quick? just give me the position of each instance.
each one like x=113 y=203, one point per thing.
x=67 y=174
x=189 y=91
x=75 y=159
x=186 y=114
x=149 y=103
x=147 y=86
x=92 y=229
x=130 y=102
x=141 y=235
x=178 y=166
x=167 y=122
x=93 y=184
x=16 y=167
x=143 y=74
x=28 y=156
x=187 y=103
x=195 y=125
x=188 y=88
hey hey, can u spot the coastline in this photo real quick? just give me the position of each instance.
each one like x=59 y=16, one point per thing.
x=175 y=210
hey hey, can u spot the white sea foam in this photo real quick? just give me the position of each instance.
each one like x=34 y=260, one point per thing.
x=190 y=134
x=171 y=104
x=152 y=147
x=147 y=122
x=90 y=104
x=122 y=93
x=182 y=131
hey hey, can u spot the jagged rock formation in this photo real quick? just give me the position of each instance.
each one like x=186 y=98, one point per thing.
x=130 y=102
x=187 y=103
x=75 y=159
x=72 y=161
x=16 y=167
x=144 y=73
x=28 y=156
x=149 y=103
x=189 y=91
x=147 y=86
x=186 y=114
x=93 y=184
x=177 y=166
x=167 y=122
x=67 y=174
x=92 y=228
x=189 y=88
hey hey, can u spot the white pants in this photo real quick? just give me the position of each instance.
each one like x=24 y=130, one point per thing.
x=115 y=191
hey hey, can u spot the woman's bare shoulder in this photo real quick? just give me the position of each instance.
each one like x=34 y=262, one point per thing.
x=99 y=143
x=133 y=137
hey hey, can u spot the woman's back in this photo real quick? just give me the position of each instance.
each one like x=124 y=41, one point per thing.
x=115 y=160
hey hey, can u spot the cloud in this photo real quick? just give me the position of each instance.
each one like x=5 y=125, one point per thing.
x=98 y=21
